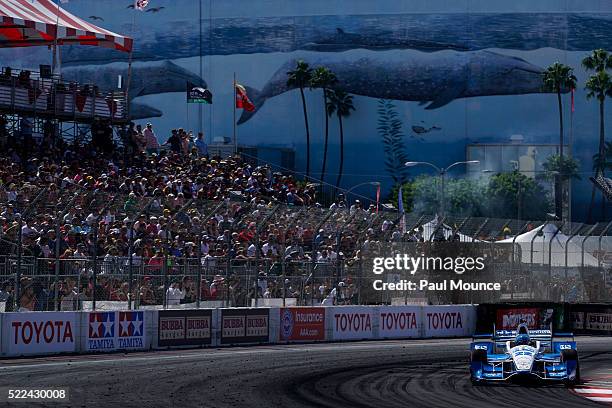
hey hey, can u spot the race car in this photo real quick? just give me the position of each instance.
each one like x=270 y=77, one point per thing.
x=524 y=353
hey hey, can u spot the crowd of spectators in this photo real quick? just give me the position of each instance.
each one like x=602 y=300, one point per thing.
x=189 y=227
x=160 y=209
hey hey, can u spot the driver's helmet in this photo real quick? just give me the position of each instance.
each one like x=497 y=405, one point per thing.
x=522 y=340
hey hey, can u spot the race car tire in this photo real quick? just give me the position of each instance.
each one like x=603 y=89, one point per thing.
x=571 y=355
x=479 y=356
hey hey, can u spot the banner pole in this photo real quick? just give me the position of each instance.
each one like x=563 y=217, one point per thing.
x=234 y=122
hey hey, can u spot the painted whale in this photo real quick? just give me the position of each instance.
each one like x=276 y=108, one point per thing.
x=158 y=37
x=147 y=79
x=437 y=78
x=141 y=111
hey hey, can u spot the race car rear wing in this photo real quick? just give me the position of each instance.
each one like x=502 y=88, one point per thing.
x=543 y=335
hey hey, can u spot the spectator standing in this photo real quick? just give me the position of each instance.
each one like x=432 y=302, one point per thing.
x=201 y=145
x=174 y=141
x=151 y=140
x=139 y=140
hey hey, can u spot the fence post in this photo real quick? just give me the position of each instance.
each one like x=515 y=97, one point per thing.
x=256 y=265
x=95 y=263
x=18 y=271
x=57 y=259
x=22 y=216
x=199 y=270
x=58 y=240
x=131 y=251
x=166 y=260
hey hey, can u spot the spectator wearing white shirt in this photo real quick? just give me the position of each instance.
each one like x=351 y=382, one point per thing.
x=175 y=294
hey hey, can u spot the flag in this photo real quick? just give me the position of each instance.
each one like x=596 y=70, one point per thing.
x=377 y=197
x=196 y=94
x=63 y=1
x=242 y=99
x=400 y=206
x=573 y=108
x=141 y=4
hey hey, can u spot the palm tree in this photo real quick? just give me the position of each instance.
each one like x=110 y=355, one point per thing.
x=300 y=78
x=558 y=77
x=323 y=77
x=599 y=60
x=598 y=85
x=340 y=103
x=603 y=162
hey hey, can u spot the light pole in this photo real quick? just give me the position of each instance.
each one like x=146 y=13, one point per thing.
x=442 y=171
x=367 y=183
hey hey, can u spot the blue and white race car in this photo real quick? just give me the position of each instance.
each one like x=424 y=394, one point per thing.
x=524 y=353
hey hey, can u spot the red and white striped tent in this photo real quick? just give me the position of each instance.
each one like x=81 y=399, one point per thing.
x=26 y=23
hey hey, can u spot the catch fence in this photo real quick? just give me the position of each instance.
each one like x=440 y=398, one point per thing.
x=117 y=250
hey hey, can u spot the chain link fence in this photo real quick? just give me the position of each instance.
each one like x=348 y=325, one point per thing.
x=72 y=247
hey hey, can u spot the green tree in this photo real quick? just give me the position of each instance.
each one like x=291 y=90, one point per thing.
x=464 y=197
x=514 y=195
x=323 y=77
x=564 y=168
x=340 y=103
x=300 y=78
x=557 y=78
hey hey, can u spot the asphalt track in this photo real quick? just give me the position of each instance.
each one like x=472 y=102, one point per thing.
x=407 y=373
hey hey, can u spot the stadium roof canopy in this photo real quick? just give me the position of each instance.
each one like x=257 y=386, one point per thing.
x=27 y=23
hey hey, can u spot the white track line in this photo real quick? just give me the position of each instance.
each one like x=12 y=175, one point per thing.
x=593 y=391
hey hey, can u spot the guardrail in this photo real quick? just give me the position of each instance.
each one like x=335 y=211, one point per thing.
x=60 y=99
x=40 y=333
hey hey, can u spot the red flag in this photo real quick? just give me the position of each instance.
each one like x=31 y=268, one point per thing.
x=141 y=4
x=573 y=90
x=377 y=197
x=242 y=99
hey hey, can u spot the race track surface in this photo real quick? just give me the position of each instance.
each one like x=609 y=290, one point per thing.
x=407 y=373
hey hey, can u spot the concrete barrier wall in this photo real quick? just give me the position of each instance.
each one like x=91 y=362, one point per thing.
x=40 y=333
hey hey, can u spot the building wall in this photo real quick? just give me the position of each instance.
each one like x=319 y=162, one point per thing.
x=475 y=59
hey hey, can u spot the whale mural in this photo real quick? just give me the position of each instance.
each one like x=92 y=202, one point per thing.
x=150 y=79
x=434 y=78
x=142 y=111
x=180 y=38
x=458 y=73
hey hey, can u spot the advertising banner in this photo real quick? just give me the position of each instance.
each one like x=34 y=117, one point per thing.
x=302 y=323
x=101 y=331
x=509 y=319
x=185 y=327
x=598 y=322
x=399 y=321
x=245 y=326
x=39 y=332
x=131 y=330
x=448 y=321
x=351 y=322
